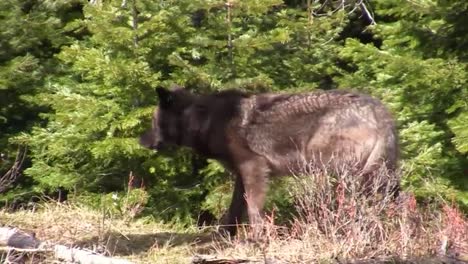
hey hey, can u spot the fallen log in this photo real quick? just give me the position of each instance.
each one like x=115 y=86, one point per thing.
x=14 y=237
x=14 y=240
x=84 y=257
x=210 y=259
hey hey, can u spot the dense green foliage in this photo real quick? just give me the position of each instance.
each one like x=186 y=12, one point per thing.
x=77 y=85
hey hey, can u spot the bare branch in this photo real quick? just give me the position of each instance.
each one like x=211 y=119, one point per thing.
x=368 y=14
x=135 y=24
x=12 y=175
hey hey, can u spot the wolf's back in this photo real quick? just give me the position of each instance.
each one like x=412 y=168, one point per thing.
x=318 y=125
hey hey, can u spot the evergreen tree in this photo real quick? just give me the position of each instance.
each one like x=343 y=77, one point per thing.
x=100 y=99
x=31 y=33
x=425 y=84
x=105 y=90
x=90 y=68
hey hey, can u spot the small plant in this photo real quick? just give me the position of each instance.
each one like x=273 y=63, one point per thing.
x=339 y=218
x=129 y=204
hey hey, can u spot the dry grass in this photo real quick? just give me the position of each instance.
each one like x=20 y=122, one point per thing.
x=142 y=240
x=337 y=221
x=340 y=220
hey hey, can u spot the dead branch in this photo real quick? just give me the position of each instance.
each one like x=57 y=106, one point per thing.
x=12 y=175
x=368 y=14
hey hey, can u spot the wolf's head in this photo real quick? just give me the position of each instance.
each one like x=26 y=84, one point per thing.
x=171 y=120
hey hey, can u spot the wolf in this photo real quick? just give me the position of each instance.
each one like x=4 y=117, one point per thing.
x=261 y=135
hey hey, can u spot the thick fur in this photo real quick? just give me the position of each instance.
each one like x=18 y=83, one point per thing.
x=261 y=135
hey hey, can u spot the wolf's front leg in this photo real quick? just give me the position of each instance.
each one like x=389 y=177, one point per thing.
x=236 y=209
x=254 y=174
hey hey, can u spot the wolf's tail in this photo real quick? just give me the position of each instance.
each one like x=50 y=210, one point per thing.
x=385 y=155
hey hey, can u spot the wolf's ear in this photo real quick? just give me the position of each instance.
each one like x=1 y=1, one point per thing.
x=166 y=97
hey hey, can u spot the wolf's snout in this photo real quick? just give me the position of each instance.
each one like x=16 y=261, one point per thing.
x=149 y=141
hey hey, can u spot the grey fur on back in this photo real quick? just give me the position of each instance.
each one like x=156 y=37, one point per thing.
x=319 y=126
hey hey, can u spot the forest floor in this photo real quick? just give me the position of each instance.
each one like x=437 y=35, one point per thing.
x=410 y=236
x=141 y=241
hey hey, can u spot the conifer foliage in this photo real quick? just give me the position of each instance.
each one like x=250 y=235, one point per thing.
x=77 y=83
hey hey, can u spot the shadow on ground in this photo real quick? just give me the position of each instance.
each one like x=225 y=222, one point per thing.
x=119 y=244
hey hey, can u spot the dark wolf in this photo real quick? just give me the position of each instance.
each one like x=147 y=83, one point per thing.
x=261 y=135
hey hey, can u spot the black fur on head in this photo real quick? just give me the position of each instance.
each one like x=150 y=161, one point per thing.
x=165 y=96
x=167 y=123
x=175 y=98
x=187 y=119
